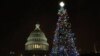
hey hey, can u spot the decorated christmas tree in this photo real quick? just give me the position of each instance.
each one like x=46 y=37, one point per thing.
x=63 y=42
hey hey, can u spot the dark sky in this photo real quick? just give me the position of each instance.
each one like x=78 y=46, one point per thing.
x=18 y=19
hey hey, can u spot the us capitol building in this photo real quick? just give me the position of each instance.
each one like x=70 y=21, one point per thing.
x=36 y=44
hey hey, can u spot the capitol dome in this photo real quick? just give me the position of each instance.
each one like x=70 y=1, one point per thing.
x=37 y=40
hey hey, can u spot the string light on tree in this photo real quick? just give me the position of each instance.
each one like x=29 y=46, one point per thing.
x=63 y=42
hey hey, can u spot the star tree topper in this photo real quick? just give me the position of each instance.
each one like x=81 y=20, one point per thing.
x=61 y=4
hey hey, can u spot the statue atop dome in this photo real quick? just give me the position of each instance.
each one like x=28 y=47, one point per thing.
x=37 y=26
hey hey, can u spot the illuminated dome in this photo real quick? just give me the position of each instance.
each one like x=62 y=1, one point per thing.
x=36 y=40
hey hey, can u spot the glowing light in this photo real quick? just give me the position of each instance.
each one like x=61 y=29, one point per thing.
x=36 y=46
x=61 y=4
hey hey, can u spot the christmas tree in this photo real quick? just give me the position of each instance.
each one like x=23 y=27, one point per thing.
x=63 y=42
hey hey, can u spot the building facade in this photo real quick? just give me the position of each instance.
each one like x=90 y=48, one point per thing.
x=36 y=44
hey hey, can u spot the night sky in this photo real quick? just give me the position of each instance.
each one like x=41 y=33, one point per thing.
x=18 y=19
